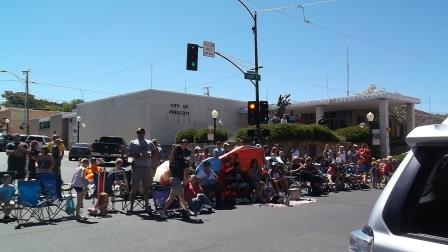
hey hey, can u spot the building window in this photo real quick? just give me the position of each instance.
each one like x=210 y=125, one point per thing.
x=44 y=125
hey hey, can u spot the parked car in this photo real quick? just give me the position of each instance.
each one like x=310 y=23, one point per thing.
x=41 y=140
x=78 y=151
x=4 y=140
x=23 y=138
x=411 y=212
x=110 y=148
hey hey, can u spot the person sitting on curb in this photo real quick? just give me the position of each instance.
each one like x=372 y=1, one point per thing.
x=100 y=206
x=279 y=181
x=6 y=196
x=195 y=197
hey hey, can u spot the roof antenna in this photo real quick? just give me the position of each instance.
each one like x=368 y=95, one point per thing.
x=304 y=16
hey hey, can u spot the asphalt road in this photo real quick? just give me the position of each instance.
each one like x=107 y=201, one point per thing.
x=321 y=226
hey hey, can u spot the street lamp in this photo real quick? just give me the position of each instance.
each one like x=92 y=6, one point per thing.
x=370 y=116
x=7 y=126
x=214 y=116
x=78 y=120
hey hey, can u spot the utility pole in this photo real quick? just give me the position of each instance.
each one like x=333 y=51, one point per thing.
x=27 y=105
x=151 y=75
x=257 y=92
x=348 y=75
x=207 y=90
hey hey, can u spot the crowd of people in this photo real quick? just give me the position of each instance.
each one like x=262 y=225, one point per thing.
x=196 y=179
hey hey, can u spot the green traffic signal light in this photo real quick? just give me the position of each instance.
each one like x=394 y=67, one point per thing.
x=192 y=57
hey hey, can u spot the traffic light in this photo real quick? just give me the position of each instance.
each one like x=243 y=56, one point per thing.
x=264 y=112
x=252 y=112
x=192 y=57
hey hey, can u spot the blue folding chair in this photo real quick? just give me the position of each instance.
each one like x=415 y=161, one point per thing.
x=58 y=199
x=30 y=204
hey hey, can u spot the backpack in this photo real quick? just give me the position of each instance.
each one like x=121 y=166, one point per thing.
x=55 y=152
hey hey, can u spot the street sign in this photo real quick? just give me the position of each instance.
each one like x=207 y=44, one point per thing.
x=252 y=76
x=376 y=141
x=209 y=49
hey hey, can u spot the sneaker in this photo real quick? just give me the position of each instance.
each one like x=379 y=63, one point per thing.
x=80 y=218
x=163 y=215
x=190 y=213
x=286 y=200
x=148 y=210
x=206 y=206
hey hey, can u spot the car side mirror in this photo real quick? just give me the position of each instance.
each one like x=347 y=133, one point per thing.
x=96 y=140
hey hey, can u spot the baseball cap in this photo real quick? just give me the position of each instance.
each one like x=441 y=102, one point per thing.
x=140 y=130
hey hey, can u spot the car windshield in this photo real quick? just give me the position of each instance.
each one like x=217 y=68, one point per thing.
x=37 y=138
x=81 y=145
x=23 y=138
x=115 y=140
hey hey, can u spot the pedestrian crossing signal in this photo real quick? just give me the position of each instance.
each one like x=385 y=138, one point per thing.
x=264 y=112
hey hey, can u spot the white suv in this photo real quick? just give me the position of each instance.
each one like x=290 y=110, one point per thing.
x=41 y=140
x=411 y=213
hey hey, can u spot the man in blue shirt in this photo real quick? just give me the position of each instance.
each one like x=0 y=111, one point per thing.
x=6 y=196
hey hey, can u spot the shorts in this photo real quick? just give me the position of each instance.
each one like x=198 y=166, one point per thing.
x=366 y=167
x=176 y=184
x=78 y=189
x=141 y=174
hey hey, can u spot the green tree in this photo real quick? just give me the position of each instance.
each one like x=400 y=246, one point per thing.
x=70 y=106
x=17 y=100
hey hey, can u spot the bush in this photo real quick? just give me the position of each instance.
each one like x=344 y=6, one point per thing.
x=399 y=157
x=355 y=134
x=186 y=134
x=293 y=132
x=201 y=135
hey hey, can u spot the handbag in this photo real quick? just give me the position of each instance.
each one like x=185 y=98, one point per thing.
x=70 y=206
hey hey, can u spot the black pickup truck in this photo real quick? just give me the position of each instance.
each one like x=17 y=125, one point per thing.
x=110 y=148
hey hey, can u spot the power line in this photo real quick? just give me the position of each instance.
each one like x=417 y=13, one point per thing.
x=72 y=88
x=340 y=33
x=302 y=81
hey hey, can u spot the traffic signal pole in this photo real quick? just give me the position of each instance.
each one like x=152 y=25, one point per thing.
x=257 y=89
x=257 y=93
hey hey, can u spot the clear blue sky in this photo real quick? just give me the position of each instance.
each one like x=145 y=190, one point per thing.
x=108 y=46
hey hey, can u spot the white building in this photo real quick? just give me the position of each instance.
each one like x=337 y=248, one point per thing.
x=352 y=110
x=164 y=113
x=161 y=113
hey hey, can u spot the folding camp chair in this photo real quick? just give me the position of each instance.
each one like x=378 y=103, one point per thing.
x=120 y=190
x=58 y=199
x=30 y=204
x=139 y=201
x=103 y=184
x=160 y=194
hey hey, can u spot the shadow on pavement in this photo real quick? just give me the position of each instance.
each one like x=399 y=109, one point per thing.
x=53 y=222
